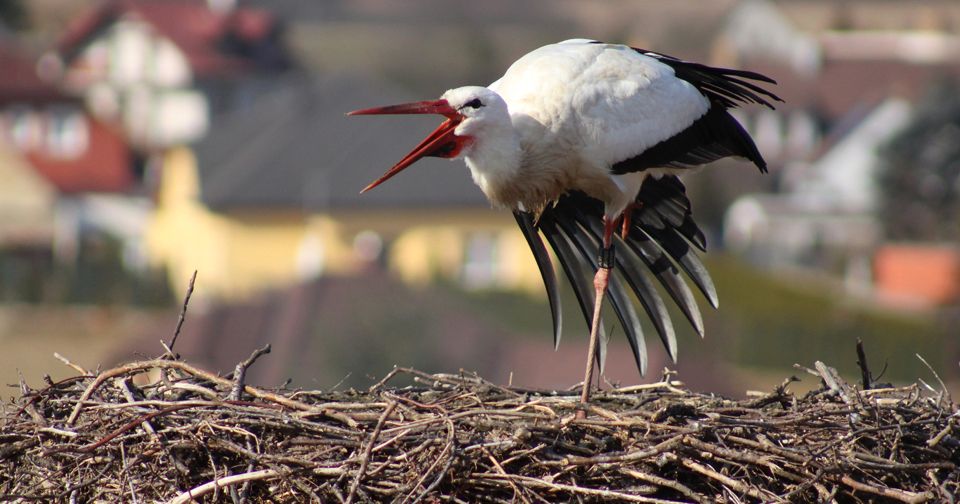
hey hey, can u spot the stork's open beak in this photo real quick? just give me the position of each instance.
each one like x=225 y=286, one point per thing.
x=441 y=143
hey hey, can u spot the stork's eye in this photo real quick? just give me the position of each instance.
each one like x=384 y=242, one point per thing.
x=474 y=103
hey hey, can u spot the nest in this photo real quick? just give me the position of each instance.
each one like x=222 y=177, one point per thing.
x=189 y=435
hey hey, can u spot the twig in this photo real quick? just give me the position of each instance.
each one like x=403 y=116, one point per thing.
x=935 y=440
x=443 y=471
x=891 y=493
x=366 y=453
x=628 y=457
x=124 y=386
x=240 y=372
x=70 y=364
x=943 y=386
x=448 y=449
x=218 y=483
x=730 y=482
x=836 y=384
x=573 y=489
x=516 y=490
x=245 y=488
x=183 y=315
x=163 y=364
x=663 y=482
x=865 y=377
x=29 y=407
x=129 y=425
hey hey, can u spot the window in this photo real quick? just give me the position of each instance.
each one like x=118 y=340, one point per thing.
x=480 y=261
x=67 y=132
x=25 y=128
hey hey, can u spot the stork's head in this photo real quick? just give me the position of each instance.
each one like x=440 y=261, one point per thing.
x=469 y=111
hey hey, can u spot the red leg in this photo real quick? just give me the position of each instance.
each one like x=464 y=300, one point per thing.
x=600 y=282
x=628 y=220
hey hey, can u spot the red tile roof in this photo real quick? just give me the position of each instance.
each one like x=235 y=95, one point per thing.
x=104 y=167
x=198 y=31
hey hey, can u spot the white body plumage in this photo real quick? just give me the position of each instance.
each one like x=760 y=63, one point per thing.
x=572 y=110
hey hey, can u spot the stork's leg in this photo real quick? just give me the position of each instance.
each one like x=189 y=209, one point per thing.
x=628 y=219
x=600 y=281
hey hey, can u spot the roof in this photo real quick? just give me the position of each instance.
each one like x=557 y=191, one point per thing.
x=843 y=86
x=295 y=149
x=834 y=68
x=316 y=337
x=103 y=167
x=213 y=42
x=822 y=15
x=20 y=82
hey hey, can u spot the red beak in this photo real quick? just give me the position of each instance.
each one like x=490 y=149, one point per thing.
x=441 y=143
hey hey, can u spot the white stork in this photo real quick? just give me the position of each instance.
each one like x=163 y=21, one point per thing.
x=580 y=133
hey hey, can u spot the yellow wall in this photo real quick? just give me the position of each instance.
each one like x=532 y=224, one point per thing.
x=234 y=254
x=240 y=253
x=428 y=244
x=27 y=201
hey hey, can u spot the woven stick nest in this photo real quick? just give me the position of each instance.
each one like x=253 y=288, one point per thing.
x=190 y=435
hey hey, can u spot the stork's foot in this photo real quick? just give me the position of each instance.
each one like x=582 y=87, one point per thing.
x=600 y=281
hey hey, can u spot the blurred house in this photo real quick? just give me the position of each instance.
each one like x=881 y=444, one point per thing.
x=61 y=166
x=162 y=68
x=825 y=218
x=270 y=197
x=850 y=74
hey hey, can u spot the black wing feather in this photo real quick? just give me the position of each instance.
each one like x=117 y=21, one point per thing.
x=664 y=205
x=669 y=276
x=587 y=241
x=540 y=254
x=725 y=85
x=576 y=267
x=666 y=218
x=714 y=135
x=629 y=265
x=629 y=319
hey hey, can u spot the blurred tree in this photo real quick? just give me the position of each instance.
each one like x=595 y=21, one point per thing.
x=919 y=177
x=13 y=15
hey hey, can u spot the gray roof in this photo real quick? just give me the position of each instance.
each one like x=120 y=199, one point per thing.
x=295 y=149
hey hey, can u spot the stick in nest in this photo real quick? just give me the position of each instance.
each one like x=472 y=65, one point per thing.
x=240 y=373
x=369 y=449
x=183 y=316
